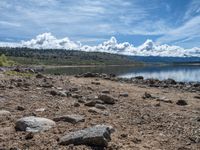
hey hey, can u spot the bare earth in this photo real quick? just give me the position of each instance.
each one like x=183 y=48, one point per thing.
x=140 y=124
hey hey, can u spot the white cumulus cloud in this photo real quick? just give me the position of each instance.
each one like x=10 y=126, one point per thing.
x=149 y=48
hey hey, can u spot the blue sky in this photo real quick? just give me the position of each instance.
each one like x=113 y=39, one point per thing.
x=174 y=22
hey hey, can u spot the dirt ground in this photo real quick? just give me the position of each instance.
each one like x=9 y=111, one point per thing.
x=140 y=124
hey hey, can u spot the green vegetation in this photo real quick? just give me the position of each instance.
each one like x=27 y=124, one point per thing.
x=4 y=62
x=26 y=56
x=15 y=73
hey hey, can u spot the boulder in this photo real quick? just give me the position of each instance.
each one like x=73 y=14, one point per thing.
x=107 y=99
x=34 y=124
x=97 y=136
x=70 y=118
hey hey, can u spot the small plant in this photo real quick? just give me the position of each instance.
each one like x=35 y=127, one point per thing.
x=15 y=73
x=4 y=62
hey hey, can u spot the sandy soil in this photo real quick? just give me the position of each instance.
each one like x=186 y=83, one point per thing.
x=140 y=124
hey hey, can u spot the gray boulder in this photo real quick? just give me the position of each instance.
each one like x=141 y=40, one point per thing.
x=70 y=118
x=98 y=135
x=34 y=124
x=107 y=99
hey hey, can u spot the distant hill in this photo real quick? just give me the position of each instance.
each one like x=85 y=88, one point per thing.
x=171 y=60
x=64 y=57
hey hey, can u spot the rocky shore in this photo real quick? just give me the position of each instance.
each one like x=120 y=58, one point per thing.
x=98 y=111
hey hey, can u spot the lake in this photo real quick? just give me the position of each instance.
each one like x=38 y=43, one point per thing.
x=183 y=73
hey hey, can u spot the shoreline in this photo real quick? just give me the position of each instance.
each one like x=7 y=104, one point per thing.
x=140 y=113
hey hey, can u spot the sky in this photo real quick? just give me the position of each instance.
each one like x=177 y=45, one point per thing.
x=174 y=22
x=135 y=27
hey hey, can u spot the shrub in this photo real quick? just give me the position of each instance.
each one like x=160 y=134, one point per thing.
x=4 y=62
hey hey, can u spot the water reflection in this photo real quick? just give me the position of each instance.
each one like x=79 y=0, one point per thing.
x=179 y=73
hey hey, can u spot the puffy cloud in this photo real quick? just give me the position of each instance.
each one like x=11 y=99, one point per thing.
x=149 y=48
x=48 y=41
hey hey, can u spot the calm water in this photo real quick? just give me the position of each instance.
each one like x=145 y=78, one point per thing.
x=186 y=73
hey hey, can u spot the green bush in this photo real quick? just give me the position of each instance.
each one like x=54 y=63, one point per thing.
x=4 y=62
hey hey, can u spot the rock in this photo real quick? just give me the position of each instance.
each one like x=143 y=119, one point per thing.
x=139 y=77
x=4 y=115
x=105 y=91
x=74 y=95
x=90 y=103
x=97 y=136
x=74 y=89
x=76 y=104
x=165 y=100
x=100 y=106
x=197 y=97
x=53 y=92
x=39 y=75
x=29 y=136
x=107 y=99
x=97 y=111
x=20 y=108
x=123 y=94
x=170 y=81
x=147 y=95
x=34 y=124
x=95 y=83
x=70 y=118
x=89 y=75
x=40 y=110
x=181 y=102
x=62 y=93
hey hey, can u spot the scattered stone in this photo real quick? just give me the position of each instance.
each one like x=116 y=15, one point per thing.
x=165 y=100
x=40 y=110
x=39 y=75
x=70 y=118
x=100 y=106
x=95 y=83
x=89 y=75
x=136 y=140
x=105 y=91
x=139 y=77
x=170 y=81
x=74 y=89
x=34 y=124
x=124 y=135
x=107 y=99
x=90 y=103
x=74 y=95
x=62 y=93
x=53 y=92
x=81 y=101
x=98 y=135
x=147 y=95
x=123 y=94
x=20 y=108
x=4 y=115
x=98 y=111
x=181 y=102
x=197 y=97
x=29 y=136
x=76 y=104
